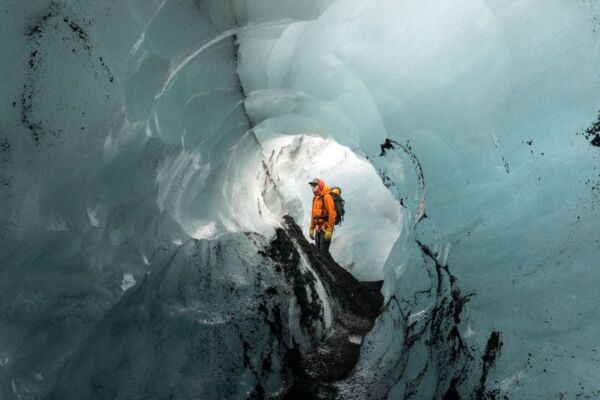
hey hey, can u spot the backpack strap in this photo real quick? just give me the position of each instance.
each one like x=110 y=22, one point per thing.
x=323 y=209
x=323 y=203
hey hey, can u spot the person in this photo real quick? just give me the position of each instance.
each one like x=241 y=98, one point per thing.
x=322 y=215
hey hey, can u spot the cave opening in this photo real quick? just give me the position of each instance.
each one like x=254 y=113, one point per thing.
x=373 y=218
x=145 y=193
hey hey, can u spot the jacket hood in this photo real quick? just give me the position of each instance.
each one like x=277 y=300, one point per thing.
x=323 y=188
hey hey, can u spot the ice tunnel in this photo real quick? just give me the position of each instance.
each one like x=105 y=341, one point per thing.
x=153 y=164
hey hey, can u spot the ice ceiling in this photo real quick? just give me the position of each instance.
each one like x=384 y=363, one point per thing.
x=131 y=128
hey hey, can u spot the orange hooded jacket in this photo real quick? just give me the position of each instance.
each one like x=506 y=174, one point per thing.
x=323 y=210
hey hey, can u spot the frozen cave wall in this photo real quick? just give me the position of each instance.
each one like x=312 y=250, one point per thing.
x=495 y=106
x=131 y=145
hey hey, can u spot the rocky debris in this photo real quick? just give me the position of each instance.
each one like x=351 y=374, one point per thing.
x=355 y=306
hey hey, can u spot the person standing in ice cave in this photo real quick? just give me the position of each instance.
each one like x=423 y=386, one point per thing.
x=322 y=216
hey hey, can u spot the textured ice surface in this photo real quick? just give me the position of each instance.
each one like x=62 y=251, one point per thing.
x=485 y=101
x=175 y=334
x=130 y=128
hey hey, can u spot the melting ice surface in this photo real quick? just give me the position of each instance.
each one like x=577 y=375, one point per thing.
x=132 y=143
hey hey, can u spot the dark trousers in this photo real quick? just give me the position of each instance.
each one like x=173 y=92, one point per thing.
x=321 y=243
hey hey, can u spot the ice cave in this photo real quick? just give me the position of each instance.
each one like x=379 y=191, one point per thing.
x=154 y=227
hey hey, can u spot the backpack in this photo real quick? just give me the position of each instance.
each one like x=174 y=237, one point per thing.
x=338 y=203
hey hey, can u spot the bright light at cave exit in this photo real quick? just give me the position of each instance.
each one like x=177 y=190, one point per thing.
x=373 y=217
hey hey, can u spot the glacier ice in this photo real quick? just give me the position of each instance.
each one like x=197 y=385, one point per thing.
x=135 y=145
x=364 y=239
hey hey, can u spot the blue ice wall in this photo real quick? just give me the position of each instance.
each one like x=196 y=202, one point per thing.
x=129 y=130
x=491 y=111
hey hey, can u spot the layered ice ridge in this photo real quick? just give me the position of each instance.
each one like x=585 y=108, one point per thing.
x=214 y=319
x=134 y=130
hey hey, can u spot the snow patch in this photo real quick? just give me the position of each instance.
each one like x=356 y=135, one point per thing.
x=127 y=282
x=355 y=339
x=205 y=231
